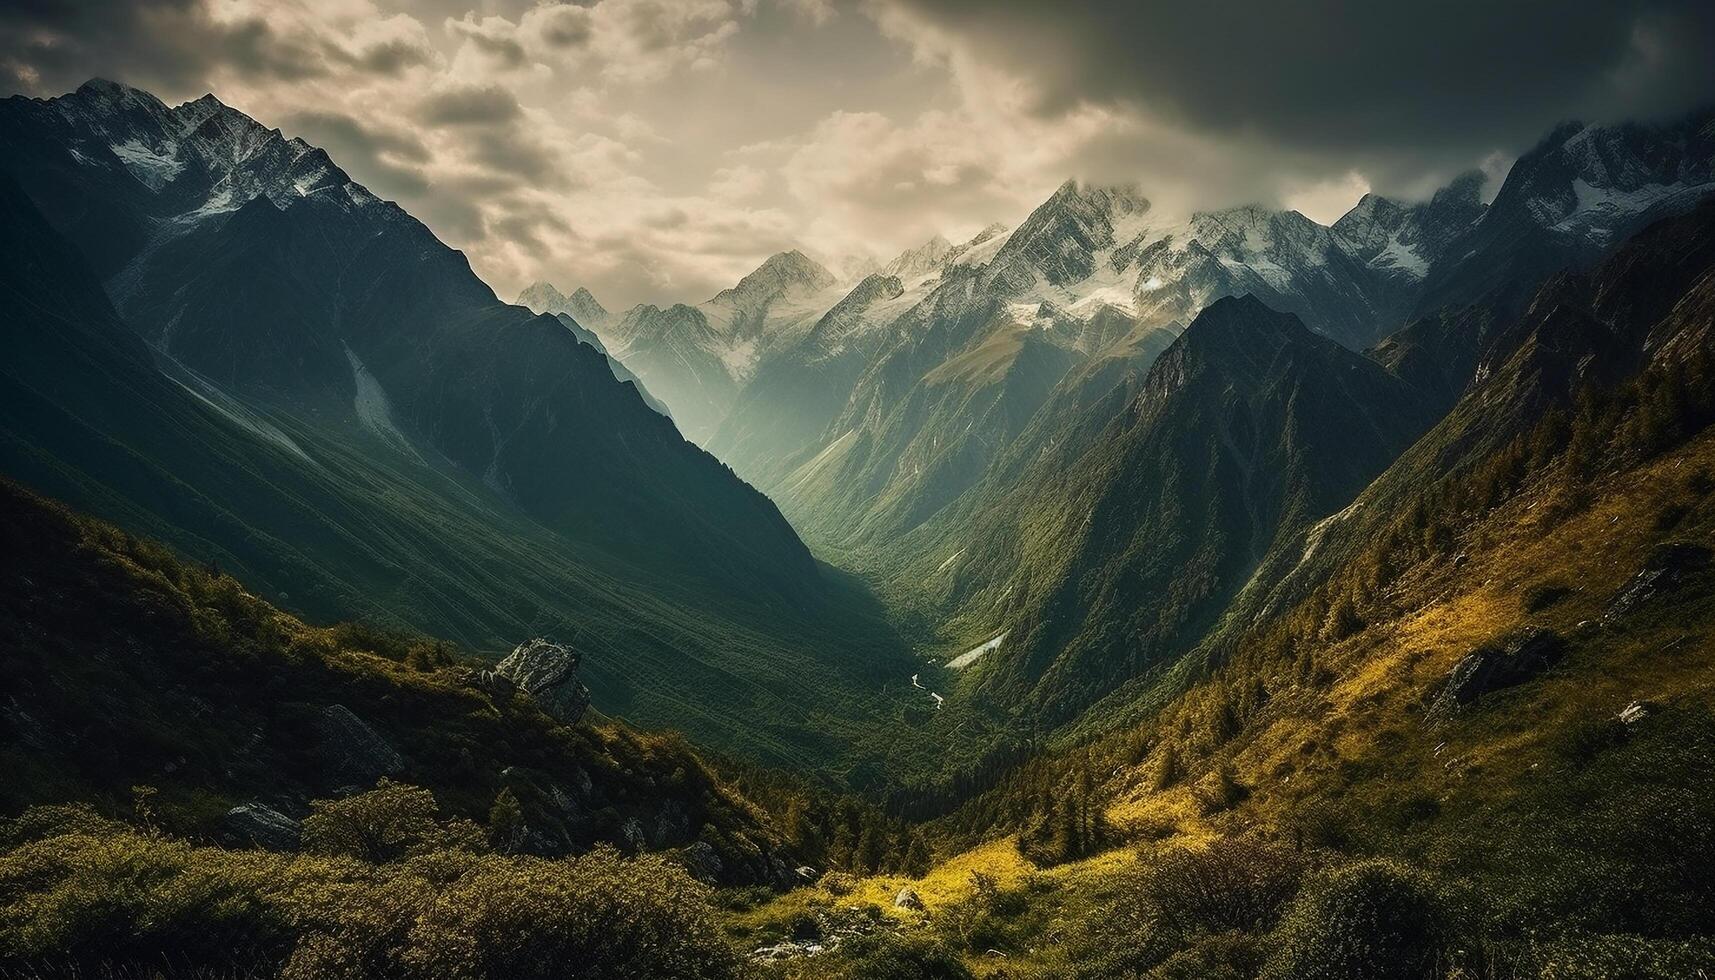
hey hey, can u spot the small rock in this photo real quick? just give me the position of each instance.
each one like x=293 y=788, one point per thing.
x=1513 y=660
x=357 y=755
x=262 y=826
x=548 y=672
x=1635 y=712
x=1664 y=571
x=908 y=899
x=633 y=833
x=702 y=862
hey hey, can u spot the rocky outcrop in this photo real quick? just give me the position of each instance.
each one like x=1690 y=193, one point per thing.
x=354 y=753
x=548 y=672
x=1666 y=570
x=1517 y=658
x=908 y=899
x=702 y=862
x=258 y=825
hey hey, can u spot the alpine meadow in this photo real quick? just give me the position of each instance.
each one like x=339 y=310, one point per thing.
x=1011 y=490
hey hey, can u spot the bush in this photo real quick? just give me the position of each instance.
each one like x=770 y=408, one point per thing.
x=387 y=823
x=1231 y=884
x=1605 y=957
x=837 y=883
x=979 y=921
x=1366 y=920
x=1219 y=790
x=125 y=903
x=1232 y=956
x=89 y=900
x=528 y=919
x=894 y=956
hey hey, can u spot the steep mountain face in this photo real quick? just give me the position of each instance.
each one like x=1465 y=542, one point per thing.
x=1401 y=240
x=574 y=312
x=1099 y=568
x=1565 y=205
x=265 y=270
x=699 y=357
x=803 y=380
x=1095 y=274
x=368 y=432
x=1645 y=309
x=1577 y=195
x=542 y=297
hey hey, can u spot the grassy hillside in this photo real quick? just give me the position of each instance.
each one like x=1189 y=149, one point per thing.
x=128 y=668
x=333 y=522
x=1477 y=744
x=1559 y=826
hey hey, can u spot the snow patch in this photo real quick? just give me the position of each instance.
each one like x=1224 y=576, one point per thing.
x=154 y=168
x=975 y=653
x=238 y=415
x=374 y=411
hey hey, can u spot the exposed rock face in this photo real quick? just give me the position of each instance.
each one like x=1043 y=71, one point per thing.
x=1517 y=658
x=908 y=899
x=262 y=826
x=548 y=672
x=702 y=862
x=1664 y=571
x=356 y=754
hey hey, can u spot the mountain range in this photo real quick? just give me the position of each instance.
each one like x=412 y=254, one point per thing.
x=220 y=338
x=1220 y=594
x=908 y=429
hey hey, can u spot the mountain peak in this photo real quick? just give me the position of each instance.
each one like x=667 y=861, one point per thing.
x=1241 y=329
x=793 y=266
x=919 y=261
x=1115 y=199
x=1465 y=190
x=543 y=297
x=780 y=273
x=109 y=89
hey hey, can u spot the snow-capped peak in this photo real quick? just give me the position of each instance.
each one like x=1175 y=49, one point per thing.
x=915 y=263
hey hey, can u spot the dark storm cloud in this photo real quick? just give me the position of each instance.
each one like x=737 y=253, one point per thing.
x=388 y=162
x=51 y=46
x=1350 y=76
x=488 y=105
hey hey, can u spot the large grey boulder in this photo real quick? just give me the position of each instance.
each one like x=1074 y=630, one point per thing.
x=548 y=672
x=356 y=755
x=262 y=826
x=1514 y=659
x=908 y=899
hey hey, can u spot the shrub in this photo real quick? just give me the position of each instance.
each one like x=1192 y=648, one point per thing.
x=1219 y=790
x=529 y=919
x=1366 y=920
x=1605 y=957
x=1231 y=883
x=837 y=883
x=1232 y=956
x=885 y=955
x=979 y=921
x=83 y=899
x=387 y=823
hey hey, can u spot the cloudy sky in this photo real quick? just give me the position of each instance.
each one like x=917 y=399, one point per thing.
x=659 y=149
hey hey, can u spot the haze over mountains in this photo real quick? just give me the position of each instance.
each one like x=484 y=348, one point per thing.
x=1115 y=531
x=283 y=373
x=909 y=427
